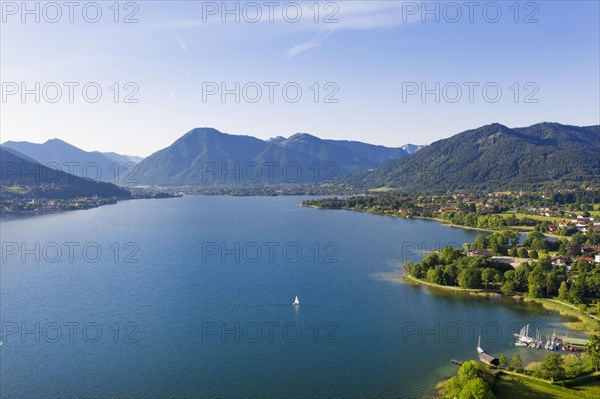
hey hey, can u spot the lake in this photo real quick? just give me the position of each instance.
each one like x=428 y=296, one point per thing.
x=192 y=297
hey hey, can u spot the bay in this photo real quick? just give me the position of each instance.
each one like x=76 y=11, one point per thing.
x=192 y=297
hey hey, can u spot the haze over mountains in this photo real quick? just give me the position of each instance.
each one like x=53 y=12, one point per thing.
x=19 y=174
x=495 y=158
x=57 y=154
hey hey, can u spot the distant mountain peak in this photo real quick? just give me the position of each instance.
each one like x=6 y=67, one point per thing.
x=303 y=137
x=276 y=140
x=203 y=130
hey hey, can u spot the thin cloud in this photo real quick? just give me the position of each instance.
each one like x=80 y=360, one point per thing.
x=182 y=45
x=315 y=42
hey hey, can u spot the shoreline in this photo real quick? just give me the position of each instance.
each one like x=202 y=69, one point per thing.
x=586 y=324
x=442 y=221
x=470 y=291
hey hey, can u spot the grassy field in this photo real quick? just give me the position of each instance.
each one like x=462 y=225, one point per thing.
x=381 y=190
x=511 y=386
x=535 y=217
x=478 y=291
x=585 y=323
x=18 y=189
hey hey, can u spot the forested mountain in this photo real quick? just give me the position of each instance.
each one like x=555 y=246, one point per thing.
x=495 y=158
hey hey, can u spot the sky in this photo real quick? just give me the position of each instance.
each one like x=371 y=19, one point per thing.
x=134 y=77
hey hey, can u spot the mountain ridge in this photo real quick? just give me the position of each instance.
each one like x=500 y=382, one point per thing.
x=190 y=159
x=495 y=157
x=44 y=182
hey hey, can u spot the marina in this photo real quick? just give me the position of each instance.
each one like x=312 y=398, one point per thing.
x=551 y=342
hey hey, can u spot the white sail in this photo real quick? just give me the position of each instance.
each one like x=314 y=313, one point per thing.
x=523 y=338
x=479 y=350
x=296 y=301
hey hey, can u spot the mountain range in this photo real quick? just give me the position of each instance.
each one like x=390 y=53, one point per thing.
x=19 y=174
x=495 y=158
x=206 y=156
x=58 y=154
x=489 y=158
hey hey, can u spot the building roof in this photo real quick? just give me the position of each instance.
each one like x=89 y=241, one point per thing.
x=488 y=359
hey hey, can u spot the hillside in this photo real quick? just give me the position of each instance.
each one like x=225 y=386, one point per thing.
x=495 y=158
x=19 y=175
x=60 y=155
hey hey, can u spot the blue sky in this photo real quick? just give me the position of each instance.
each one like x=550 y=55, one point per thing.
x=370 y=57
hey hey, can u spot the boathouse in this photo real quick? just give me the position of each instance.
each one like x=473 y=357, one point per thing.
x=489 y=360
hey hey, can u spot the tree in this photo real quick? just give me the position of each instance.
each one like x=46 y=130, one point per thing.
x=480 y=242
x=563 y=291
x=516 y=363
x=536 y=282
x=532 y=254
x=476 y=388
x=522 y=253
x=552 y=367
x=469 y=278
x=470 y=383
x=574 y=366
x=593 y=350
x=436 y=275
x=503 y=361
x=577 y=290
x=488 y=275
x=417 y=271
x=451 y=274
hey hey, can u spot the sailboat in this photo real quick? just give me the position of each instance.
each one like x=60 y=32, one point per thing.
x=296 y=301
x=523 y=337
x=479 y=350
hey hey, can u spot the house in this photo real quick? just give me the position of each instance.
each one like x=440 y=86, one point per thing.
x=479 y=252
x=597 y=258
x=590 y=248
x=558 y=260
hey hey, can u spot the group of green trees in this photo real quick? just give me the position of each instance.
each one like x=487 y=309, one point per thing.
x=472 y=381
x=553 y=367
x=574 y=283
x=451 y=267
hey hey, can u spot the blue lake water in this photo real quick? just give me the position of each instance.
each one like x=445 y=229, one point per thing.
x=191 y=297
